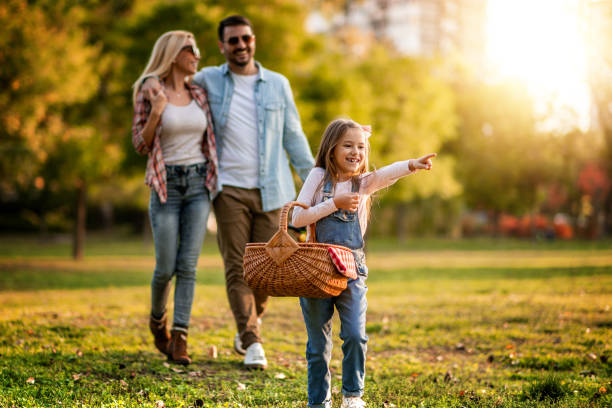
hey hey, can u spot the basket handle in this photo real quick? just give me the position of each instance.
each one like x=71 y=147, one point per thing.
x=281 y=246
x=284 y=216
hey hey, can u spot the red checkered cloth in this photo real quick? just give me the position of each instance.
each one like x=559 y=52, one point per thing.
x=344 y=261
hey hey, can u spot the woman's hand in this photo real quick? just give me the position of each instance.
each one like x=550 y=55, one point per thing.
x=158 y=101
x=422 y=163
x=347 y=201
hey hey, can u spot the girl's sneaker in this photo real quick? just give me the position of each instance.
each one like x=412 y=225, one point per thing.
x=352 y=402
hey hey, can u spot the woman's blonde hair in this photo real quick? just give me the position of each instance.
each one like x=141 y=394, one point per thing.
x=165 y=50
x=325 y=155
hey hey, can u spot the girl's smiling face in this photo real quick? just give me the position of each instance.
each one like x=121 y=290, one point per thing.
x=349 y=153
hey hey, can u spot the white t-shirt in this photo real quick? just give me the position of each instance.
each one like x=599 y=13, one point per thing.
x=182 y=131
x=239 y=163
x=370 y=183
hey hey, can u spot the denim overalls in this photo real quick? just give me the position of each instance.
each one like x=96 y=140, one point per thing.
x=340 y=228
x=178 y=227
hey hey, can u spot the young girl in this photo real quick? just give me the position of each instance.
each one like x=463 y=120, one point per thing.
x=338 y=189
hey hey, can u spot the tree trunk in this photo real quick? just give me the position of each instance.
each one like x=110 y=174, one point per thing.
x=78 y=238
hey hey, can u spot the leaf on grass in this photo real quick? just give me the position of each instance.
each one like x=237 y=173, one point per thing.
x=212 y=352
x=509 y=346
x=195 y=373
x=31 y=380
x=592 y=356
x=388 y=404
x=241 y=387
x=76 y=377
x=280 y=376
x=177 y=370
x=160 y=404
x=79 y=353
x=123 y=383
x=166 y=364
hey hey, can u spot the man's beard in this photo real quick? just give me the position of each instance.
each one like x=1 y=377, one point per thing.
x=242 y=63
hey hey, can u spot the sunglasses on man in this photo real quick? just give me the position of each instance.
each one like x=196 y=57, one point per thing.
x=193 y=49
x=246 y=38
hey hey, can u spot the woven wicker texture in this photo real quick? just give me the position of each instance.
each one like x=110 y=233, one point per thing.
x=283 y=267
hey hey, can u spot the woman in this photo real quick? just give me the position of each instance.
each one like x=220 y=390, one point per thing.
x=174 y=128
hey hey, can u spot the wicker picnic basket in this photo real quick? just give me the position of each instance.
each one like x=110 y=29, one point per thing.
x=283 y=267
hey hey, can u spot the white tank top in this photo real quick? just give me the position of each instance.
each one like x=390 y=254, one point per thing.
x=182 y=131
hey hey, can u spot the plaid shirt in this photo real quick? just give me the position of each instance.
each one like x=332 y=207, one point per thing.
x=155 y=175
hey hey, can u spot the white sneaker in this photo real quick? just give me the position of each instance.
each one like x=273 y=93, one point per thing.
x=255 y=357
x=238 y=344
x=352 y=402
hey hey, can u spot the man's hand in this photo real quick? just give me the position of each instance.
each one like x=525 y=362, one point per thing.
x=422 y=163
x=347 y=201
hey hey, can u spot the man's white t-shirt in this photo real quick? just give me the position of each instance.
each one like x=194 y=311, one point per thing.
x=239 y=163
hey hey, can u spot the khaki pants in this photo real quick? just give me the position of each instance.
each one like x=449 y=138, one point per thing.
x=241 y=219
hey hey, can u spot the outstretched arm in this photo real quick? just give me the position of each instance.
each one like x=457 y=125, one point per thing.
x=388 y=175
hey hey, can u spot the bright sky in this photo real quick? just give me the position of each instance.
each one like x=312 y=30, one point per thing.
x=541 y=42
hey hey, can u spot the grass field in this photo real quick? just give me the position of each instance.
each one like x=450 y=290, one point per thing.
x=451 y=324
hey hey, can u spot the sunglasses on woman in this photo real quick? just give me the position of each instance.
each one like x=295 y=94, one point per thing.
x=246 y=38
x=193 y=49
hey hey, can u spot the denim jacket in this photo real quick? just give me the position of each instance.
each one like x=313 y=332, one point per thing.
x=279 y=130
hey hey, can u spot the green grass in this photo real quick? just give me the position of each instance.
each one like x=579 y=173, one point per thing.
x=464 y=326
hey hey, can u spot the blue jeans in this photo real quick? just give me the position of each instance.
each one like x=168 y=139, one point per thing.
x=351 y=305
x=179 y=227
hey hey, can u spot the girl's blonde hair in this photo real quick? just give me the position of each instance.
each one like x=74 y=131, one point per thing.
x=165 y=50
x=325 y=155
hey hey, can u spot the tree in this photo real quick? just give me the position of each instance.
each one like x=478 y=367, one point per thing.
x=51 y=69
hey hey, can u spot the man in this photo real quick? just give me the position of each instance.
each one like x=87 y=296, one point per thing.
x=257 y=126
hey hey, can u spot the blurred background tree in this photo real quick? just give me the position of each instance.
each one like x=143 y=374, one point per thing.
x=65 y=115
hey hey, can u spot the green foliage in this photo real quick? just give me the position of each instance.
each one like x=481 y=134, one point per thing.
x=501 y=158
x=48 y=67
x=411 y=111
x=65 y=110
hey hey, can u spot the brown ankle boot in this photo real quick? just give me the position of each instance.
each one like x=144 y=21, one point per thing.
x=160 y=332
x=178 y=348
